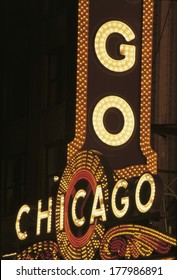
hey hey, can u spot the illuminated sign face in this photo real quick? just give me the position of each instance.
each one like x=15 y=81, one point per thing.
x=83 y=207
x=114 y=84
x=111 y=167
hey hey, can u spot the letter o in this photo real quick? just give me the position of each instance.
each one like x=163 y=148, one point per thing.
x=147 y=177
x=129 y=121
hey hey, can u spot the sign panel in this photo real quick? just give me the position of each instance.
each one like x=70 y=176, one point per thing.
x=114 y=84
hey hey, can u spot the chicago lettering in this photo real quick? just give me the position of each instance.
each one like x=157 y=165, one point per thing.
x=97 y=208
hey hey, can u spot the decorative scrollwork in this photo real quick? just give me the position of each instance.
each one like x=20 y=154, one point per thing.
x=134 y=241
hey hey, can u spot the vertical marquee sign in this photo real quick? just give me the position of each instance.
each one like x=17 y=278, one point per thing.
x=114 y=84
x=111 y=167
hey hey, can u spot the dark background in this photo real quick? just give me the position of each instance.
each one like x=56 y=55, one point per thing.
x=38 y=42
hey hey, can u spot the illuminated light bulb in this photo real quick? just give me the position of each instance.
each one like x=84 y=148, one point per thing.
x=56 y=178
